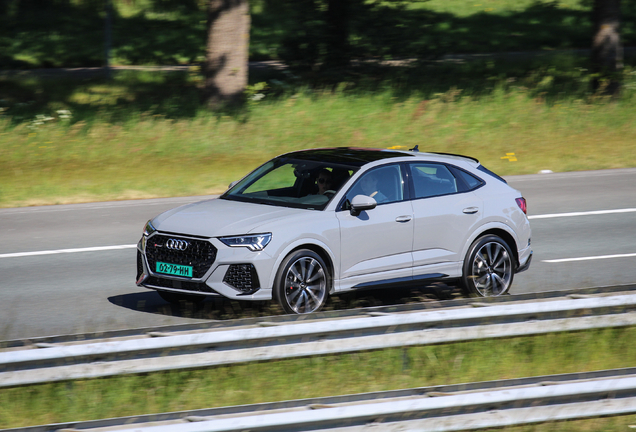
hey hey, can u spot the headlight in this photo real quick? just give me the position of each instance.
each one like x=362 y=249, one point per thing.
x=149 y=229
x=255 y=242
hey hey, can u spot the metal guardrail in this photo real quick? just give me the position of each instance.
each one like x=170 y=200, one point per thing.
x=271 y=341
x=441 y=408
x=334 y=314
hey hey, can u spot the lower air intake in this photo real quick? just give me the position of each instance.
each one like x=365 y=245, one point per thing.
x=242 y=277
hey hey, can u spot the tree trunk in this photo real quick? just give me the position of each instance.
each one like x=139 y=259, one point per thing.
x=226 y=63
x=607 y=51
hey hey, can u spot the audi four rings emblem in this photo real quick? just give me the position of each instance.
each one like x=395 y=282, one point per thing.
x=175 y=244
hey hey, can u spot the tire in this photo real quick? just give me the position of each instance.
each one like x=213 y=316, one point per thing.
x=302 y=283
x=177 y=299
x=489 y=268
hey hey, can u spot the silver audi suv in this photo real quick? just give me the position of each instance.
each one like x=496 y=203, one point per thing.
x=314 y=223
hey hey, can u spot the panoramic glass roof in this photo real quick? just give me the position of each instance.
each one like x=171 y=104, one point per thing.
x=346 y=155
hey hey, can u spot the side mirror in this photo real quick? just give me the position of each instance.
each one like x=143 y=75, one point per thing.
x=233 y=184
x=359 y=203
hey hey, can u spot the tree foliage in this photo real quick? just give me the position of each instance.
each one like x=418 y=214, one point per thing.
x=328 y=33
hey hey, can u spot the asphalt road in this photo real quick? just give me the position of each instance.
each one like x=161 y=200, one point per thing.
x=70 y=268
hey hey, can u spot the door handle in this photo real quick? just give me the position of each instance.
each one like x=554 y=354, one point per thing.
x=404 y=218
x=471 y=210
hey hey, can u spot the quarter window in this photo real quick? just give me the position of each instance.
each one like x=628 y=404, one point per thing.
x=466 y=182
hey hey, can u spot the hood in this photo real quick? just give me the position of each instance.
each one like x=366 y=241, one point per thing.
x=219 y=217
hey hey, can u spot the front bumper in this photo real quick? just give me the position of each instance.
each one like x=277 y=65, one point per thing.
x=234 y=273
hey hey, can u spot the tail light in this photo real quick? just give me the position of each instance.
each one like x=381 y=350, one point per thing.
x=521 y=202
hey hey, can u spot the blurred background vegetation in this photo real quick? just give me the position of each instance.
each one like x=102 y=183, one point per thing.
x=480 y=77
x=70 y=33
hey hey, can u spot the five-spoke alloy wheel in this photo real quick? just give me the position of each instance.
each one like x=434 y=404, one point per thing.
x=302 y=283
x=488 y=268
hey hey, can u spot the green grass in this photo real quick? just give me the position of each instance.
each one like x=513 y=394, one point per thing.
x=320 y=376
x=464 y=8
x=149 y=135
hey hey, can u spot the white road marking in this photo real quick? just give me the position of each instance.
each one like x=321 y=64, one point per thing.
x=588 y=213
x=600 y=257
x=544 y=216
x=62 y=251
x=571 y=175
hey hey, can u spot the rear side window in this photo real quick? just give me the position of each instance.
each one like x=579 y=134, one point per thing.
x=431 y=179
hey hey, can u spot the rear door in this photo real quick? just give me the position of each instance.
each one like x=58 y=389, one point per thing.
x=446 y=212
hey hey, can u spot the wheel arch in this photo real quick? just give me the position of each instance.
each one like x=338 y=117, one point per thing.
x=318 y=248
x=505 y=236
x=326 y=257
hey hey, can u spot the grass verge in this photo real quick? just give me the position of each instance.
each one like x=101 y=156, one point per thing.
x=147 y=135
x=321 y=376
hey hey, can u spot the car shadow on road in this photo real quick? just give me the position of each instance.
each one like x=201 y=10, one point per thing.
x=216 y=308
x=394 y=296
x=211 y=308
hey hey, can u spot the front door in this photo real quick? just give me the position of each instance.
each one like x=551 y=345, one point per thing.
x=376 y=244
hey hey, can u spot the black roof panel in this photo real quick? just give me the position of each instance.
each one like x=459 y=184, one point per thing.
x=346 y=155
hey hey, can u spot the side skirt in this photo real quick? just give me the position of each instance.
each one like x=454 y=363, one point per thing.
x=401 y=282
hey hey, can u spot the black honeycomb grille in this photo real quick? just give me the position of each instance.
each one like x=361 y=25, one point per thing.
x=242 y=277
x=200 y=254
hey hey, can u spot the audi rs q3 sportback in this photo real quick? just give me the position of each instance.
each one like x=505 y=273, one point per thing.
x=314 y=223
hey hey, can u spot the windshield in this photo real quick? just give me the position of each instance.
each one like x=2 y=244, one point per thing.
x=292 y=183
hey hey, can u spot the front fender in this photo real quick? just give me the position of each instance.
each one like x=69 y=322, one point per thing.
x=306 y=243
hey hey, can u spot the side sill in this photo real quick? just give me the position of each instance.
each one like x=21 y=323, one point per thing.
x=400 y=282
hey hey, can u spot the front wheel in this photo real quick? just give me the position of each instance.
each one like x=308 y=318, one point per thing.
x=302 y=283
x=488 y=268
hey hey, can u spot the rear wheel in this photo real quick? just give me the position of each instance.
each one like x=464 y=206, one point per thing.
x=488 y=268
x=302 y=283
x=176 y=298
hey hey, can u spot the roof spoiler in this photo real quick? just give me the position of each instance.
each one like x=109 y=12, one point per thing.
x=455 y=155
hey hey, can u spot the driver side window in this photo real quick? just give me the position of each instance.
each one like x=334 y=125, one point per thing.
x=384 y=184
